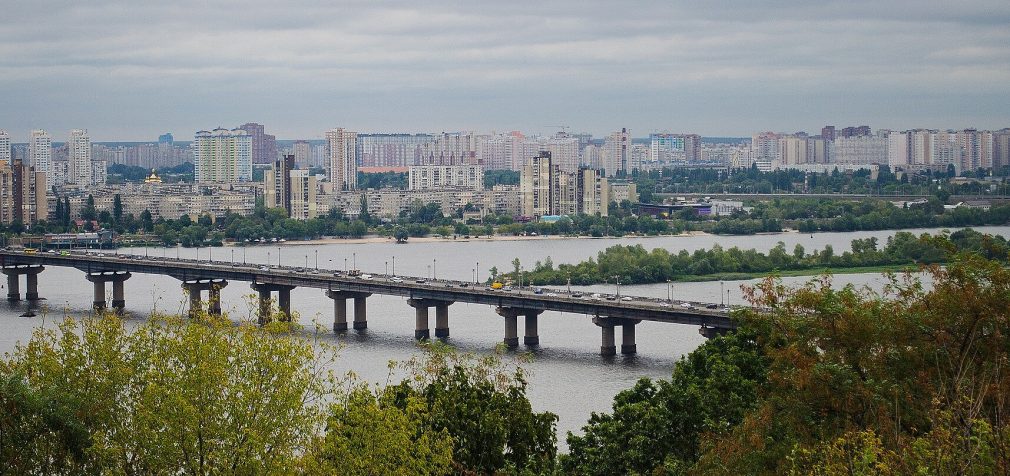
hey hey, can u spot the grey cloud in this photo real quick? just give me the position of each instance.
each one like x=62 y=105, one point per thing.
x=715 y=67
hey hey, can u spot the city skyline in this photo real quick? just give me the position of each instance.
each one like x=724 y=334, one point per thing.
x=718 y=69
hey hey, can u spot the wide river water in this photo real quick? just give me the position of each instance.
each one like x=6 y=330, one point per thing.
x=569 y=377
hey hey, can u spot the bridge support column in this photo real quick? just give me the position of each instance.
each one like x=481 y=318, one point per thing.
x=194 y=290
x=32 y=278
x=607 y=325
x=339 y=314
x=360 y=318
x=340 y=309
x=214 y=298
x=713 y=332
x=628 y=345
x=263 y=313
x=442 y=320
x=13 y=286
x=99 y=303
x=532 y=337
x=607 y=347
x=118 y=295
x=511 y=326
x=283 y=301
x=421 y=322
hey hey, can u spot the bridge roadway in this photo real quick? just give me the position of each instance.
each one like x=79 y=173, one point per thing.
x=607 y=311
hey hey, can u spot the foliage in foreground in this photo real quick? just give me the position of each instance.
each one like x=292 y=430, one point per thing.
x=102 y=396
x=830 y=381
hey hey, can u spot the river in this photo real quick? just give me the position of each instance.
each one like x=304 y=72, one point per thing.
x=568 y=375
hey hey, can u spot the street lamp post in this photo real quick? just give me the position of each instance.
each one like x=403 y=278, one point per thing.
x=233 y=256
x=210 y=253
x=387 y=268
x=477 y=273
x=306 y=262
x=394 y=265
x=618 y=279
x=269 y=263
x=243 y=255
x=317 y=260
x=434 y=270
x=669 y=291
x=278 y=257
x=354 y=260
x=720 y=292
x=345 y=265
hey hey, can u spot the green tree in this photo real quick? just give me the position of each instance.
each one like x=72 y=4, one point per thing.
x=117 y=208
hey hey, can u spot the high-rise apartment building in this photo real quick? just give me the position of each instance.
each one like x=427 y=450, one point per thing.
x=264 y=146
x=342 y=147
x=544 y=189
x=564 y=151
x=765 y=147
x=859 y=150
x=222 y=155
x=437 y=177
x=5 y=147
x=1001 y=148
x=79 y=158
x=302 y=151
x=277 y=184
x=392 y=150
x=897 y=149
x=303 y=195
x=22 y=194
x=792 y=150
x=455 y=148
x=40 y=152
x=617 y=152
x=828 y=133
x=166 y=138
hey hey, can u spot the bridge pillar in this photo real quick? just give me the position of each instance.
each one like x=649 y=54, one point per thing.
x=607 y=325
x=628 y=345
x=607 y=347
x=99 y=303
x=32 y=278
x=214 y=297
x=284 y=302
x=511 y=326
x=194 y=289
x=713 y=332
x=532 y=337
x=421 y=331
x=339 y=313
x=360 y=318
x=263 y=314
x=442 y=319
x=13 y=286
x=116 y=278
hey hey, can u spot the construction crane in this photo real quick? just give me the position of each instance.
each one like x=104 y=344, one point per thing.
x=562 y=127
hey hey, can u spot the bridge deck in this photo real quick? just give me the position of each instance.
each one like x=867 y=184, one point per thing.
x=630 y=307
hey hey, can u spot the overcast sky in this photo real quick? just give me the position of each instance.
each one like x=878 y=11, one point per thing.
x=719 y=68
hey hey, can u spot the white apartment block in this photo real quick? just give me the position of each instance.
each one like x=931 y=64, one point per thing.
x=222 y=156
x=5 y=147
x=79 y=158
x=169 y=201
x=859 y=150
x=616 y=153
x=433 y=177
x=304 y=189
x=342 y=152
x=40 y=154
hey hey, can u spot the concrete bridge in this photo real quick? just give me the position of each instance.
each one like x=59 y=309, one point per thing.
x=606 y=311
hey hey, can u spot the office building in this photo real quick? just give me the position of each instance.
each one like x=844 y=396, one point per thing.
x=222 y=155
x=435 y=177
x=277 y=184
x=264 y=146
x=23 y=192
x=342 y=150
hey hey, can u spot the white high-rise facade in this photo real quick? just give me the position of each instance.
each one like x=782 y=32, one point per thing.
x=40 y=153
x=5 y=147
x=79 y=158
x=342 y=147
x=616 y=153
x=223 y=155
